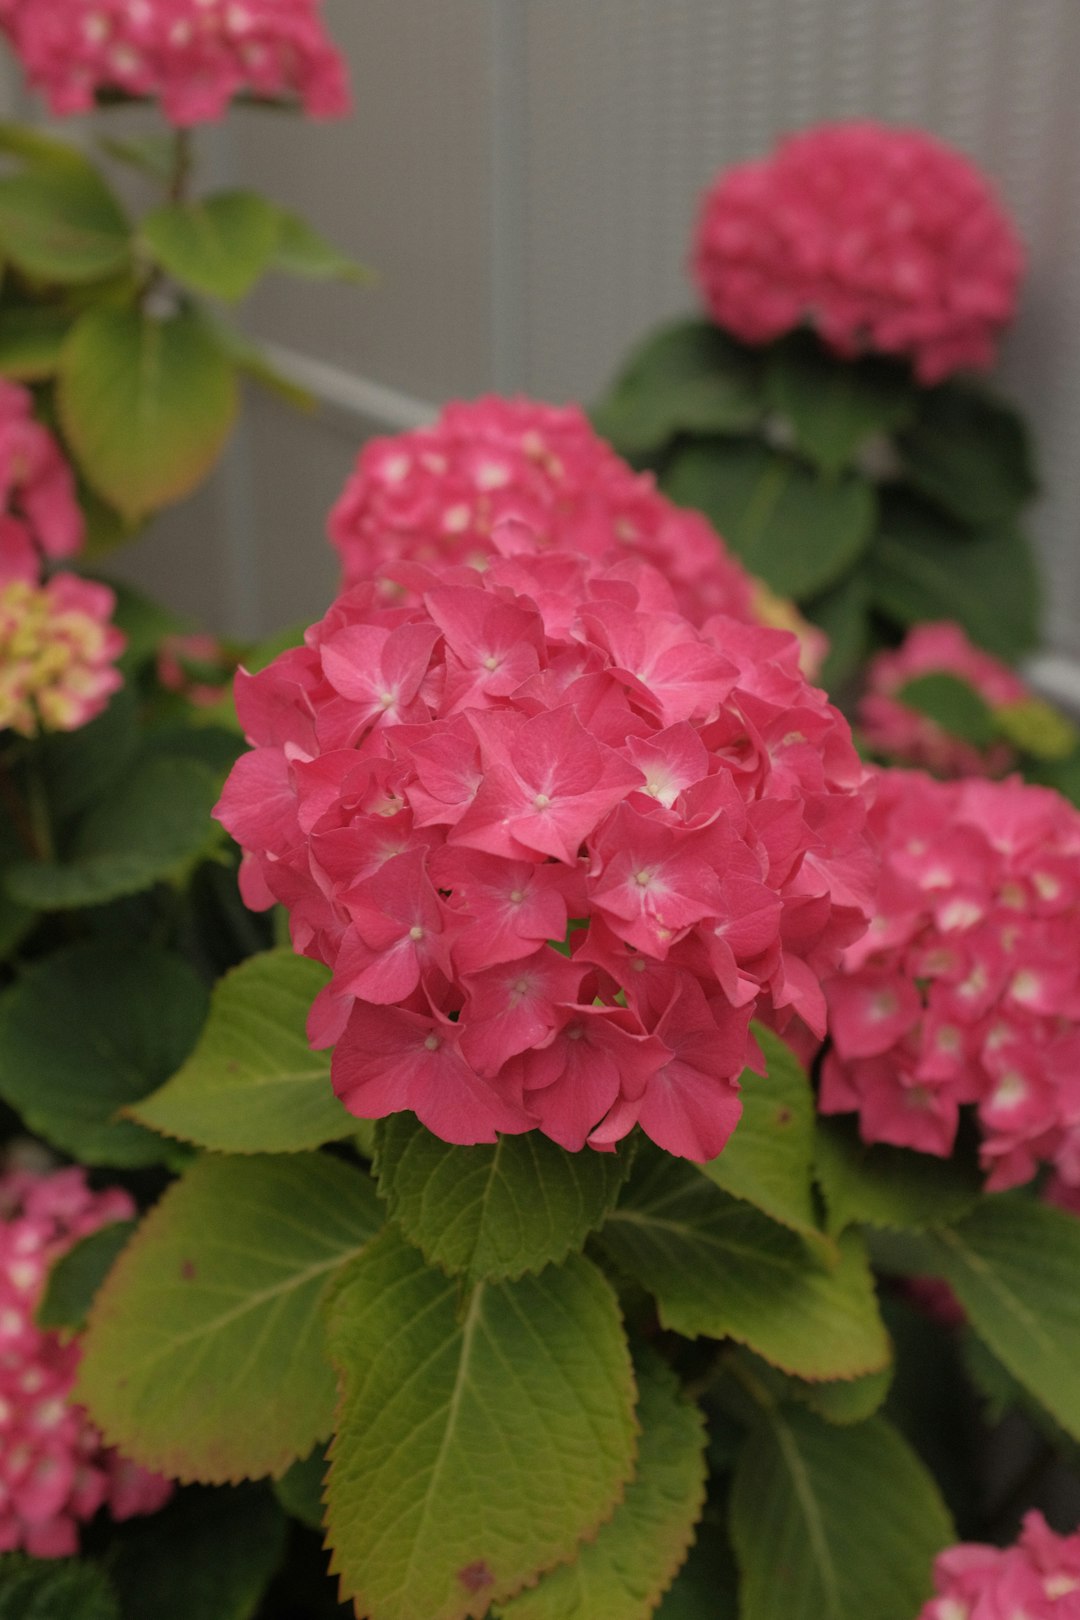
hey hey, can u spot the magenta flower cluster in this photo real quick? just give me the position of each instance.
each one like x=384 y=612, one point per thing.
x=437 y=494
x=966 y=988
x=893 y=728
x=557 y=843
x=882 y=239
x=1038 y=1578
x=55 y=1470
x=194 y=56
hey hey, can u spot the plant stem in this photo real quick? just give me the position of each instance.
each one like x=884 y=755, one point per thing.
x=22 y=818
x=183 y=165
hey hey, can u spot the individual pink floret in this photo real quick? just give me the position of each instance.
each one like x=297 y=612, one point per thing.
x=883 y=240
x=557 y=843
x=55 y=1470
x=906 y=737
x=437 y=494
x=39 y=514
x=1038 y=1578
x=966 y=989
x=194 y=56
x=58 y=653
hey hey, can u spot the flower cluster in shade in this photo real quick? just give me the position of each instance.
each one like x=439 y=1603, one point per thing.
x=965 y=991
x=198 y=668
x=436 y=495
x=905 y=736
x=194 y=56
x=1037 y=1578
x=884 y=240
x=557 y=843
x=55 y=1470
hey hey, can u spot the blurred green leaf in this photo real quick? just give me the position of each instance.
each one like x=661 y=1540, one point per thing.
x=62 y=224
x=834 y=405
x=300 y=250
x=1038 y=729
x=843 y=612
x=969 y=453
x=54 y=1589
x=80 y=766
x=209 y=1555
x=153 y=154
x=218 y=246
x=889 y=1186
x=77 y=1275
x=952 y=704
x=686 y=378
x=250 y=358
x=31 y=340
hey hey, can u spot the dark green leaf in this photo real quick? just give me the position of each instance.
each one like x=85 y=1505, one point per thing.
x=218 y=246
x=800 y=532
x=707 y=1586
x=146 y=405
x=80 y=766
x=31 y=340
x=718 y=1268
x=952 y=705
x=480 y=1440
x=144 y=622
x=832 y=405
x=844 y=614
x=208 y=1556
x=890 y=1186
x=76 y=1277
x=494 y=1212
x=970 y=453
x=833 y=1523
x=205 y=1355
x=89 y=1029
x=54 y=1589
x=300 y=1489
x=62 y=223
x=686 y=378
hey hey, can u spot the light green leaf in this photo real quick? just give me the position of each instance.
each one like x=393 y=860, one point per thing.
x=687 y=378
x=145 y=404
x=494 y=1212
x=218 y=246
x=970 y=453
x=251 y=358
x=833 y=406
x=153 y=825
x=31 y=340
x=62 y=223
x=850 y=1402
x=769 y=1161
x=952 y=704
x=205 y=1356
x=890 y=1186
x=623 y=1573
x=209 y=1555
x=833 y=1523
x=76 y=1277
x=718 y=1268
x=54 y=1589
x=153 y=154
x=89 y=1029
x=479 y=1441
x=800 y=532
x=253 y=1084
x=300 y=250
x=922 y=566
x=1038 y=729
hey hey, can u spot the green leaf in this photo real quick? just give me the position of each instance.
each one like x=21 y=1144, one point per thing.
x=253 y=1084
x=89 y=1029
x=707 y=1586
x=769 y=1162
x=78 y=767
x=61 y=223
x=850 y=1402
x=833 y=406
x=952 y=704
x=1013 y=1265
x=494 y=1212
x=686 y=378
x=219 y=246
x=623 y=1573
x=1038 y=729
x=145 y=404
x=889 y=1186
x=300 y=1489
x=921 y=566
x=300 y=250
x=844 y=614
x=144 y=622
x=153 y=154
x=151 y=828
x=833 y=1523
x=54 y=1589
x=801 y=533
x=251 y=358
x=205 y=1354
x=30 y=342
x=209 y=1555
x=970 y=454
x=478 y=1446
x=76 y=1277
x=717 y=1267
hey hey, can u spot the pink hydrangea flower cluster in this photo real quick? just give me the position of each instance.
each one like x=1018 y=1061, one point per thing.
x=58 y=652
x=557 y=843
x=1036 y=1579
x=196 y=667
x=194 y=56
x=966 y=989
x=907 y=737
x=882 y=239
x=437 y=495
x=55 y=1470
x=39 y=514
